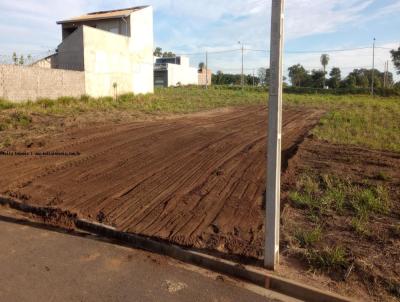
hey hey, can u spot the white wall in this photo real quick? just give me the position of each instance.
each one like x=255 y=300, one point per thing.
x=109 y=58
x=182 y=74
x=142 y=46
x=107 y=61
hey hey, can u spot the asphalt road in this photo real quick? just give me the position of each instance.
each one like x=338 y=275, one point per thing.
x=39 y=264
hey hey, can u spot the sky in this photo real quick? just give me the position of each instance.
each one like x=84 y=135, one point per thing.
x=193 y=27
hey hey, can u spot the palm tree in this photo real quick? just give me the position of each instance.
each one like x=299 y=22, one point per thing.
x=324 y=62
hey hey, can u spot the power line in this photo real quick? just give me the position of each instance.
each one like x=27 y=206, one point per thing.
x=239 y=49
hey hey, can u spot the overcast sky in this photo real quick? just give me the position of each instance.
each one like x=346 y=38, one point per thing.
x=193 y=26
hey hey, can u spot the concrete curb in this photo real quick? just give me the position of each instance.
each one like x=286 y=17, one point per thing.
x=249 y=274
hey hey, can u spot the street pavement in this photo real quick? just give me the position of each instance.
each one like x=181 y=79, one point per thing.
x=41 y=264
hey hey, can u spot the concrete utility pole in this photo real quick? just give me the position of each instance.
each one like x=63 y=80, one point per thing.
x=373 y=68
x=272 y=215
x=242 y=77
x=206 y=69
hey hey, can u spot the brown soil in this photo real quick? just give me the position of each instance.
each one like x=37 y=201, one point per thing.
x=373 y=271
x=196 y=181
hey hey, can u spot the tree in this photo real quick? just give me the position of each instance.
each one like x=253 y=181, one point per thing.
x=216 y=78
x=168 y=54
x=362 y=81
x=263 y=76
x=324 y=62
x=15 y=58
x=202 y=66
x=335 y=78
x=396 y=59
x=350 y=81
x=157 y=52
x=317 y=79
x=298 y=75
x=21 y=60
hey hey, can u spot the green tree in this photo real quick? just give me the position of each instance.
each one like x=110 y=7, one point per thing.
x=317 y=79
x=15 y=58
x=21 y=60
x=362 y=81
x=298 y=75
x=202 y=65
x=324 y=61
x=351 y=81
x=396 y=59
x=157 y=52
x=335 y=78
x=264 y=76
x=168 y=54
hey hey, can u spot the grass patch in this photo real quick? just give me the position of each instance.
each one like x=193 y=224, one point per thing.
x=321 y=195
x=165 y=100
x=355 y=119
x=350 y=119
x=369 y=200
x=307 y=238
x=20 y=119
x=359 y=225
x=15 y=120
x=6 y=105
x=328 y=259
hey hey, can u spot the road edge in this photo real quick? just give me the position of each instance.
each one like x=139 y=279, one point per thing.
x=255 y=276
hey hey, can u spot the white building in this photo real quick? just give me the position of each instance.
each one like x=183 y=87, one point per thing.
x=174 y=71
x=113 y=48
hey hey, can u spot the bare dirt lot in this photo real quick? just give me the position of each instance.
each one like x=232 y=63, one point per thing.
x=195 y=181
x=358 y=251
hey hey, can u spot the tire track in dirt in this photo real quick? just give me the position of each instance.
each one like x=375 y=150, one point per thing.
x=196 y=180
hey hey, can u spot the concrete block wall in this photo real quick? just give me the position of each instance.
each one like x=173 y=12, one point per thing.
x=23 y=83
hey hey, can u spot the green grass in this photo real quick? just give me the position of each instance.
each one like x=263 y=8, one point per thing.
x=327 y=259
x=350 y=119
x=319 y=195
x=369 y=200
x=170 y=100
x=16 y=119
x=356 y=120
x=308 y=238
x=360 y=226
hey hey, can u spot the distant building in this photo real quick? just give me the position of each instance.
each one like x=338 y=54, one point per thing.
x=174 y=71
x=205 y=76
x=114 y=48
